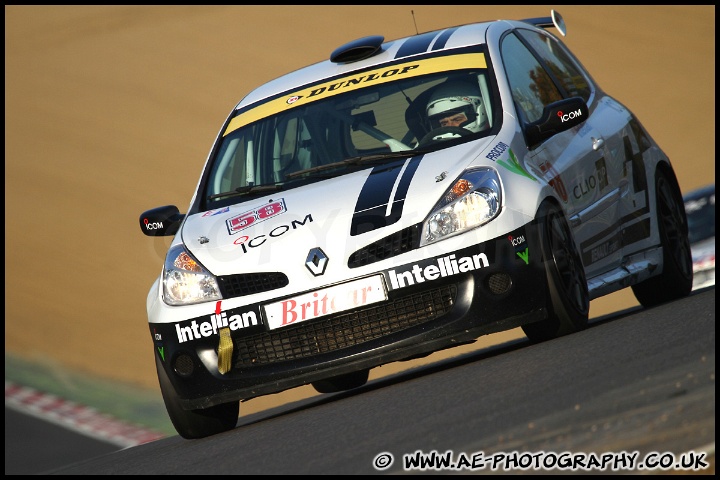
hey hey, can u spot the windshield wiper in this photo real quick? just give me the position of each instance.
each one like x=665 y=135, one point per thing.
x=247 y=189
x=359 y=160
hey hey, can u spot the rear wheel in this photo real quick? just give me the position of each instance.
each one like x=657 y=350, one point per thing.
x=342 y=382
x=568 y=298
x=676 y=278
x=196 y=423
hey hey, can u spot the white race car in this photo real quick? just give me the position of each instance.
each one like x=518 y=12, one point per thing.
x=400 y=198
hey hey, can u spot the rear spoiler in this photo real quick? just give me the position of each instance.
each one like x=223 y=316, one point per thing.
x=554 y=20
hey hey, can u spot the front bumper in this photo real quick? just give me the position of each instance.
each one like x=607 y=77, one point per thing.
x=436 y=304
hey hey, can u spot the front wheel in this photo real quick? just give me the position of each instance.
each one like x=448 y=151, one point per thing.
x=567 y=290
x=198 y=423
x=676 y=278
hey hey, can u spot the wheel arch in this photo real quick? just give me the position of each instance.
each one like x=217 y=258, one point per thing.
x=667 y=169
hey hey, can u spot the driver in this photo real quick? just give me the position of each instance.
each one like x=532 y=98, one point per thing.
x=457 y=104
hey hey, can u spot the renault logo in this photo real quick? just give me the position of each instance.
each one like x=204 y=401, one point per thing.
x=316 y=261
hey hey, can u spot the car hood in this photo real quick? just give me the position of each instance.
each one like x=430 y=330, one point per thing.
x=338 y=215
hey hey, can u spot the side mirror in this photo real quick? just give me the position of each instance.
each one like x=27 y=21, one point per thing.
x=556 y=117
x=161 y=221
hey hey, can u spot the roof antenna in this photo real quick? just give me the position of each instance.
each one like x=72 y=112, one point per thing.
x=412 y=12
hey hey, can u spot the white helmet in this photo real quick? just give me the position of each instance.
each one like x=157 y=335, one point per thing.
x=457 y=97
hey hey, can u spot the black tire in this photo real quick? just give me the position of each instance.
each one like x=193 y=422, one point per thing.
x=342 y=382
x=199 y=423
x=430 y=136
x=676 y=278
x=568 y=298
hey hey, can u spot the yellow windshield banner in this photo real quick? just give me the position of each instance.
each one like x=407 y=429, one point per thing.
x=356 y=81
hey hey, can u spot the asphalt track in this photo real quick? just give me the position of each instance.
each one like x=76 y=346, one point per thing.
x=34 y=445
x=635 y=381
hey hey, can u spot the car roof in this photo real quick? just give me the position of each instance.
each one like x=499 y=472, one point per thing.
x=440 y=40
x=434 y=41
x=443 y=39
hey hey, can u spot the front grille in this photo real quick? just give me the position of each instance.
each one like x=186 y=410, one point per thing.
x=249 y=283
x=334 y=333
x=399 y=242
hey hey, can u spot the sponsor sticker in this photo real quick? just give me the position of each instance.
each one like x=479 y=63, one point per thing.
x=197 y=328
x=211 y=213
x=356 y=81
x=435 y=268
x=338 y=298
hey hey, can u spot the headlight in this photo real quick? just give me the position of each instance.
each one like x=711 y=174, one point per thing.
x=185 y=281
x=472 y=201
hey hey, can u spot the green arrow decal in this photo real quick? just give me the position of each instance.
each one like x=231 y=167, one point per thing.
x=515 y=167
x=524 y=255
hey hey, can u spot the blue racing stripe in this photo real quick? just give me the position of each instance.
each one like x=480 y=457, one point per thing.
x=401 y=192
x=371 y=207
x=443 y=38
x=415 y=45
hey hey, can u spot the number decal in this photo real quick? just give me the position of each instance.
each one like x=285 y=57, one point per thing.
x=244 y=220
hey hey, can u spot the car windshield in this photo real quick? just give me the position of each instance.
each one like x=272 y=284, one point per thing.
x=701 y=217
x=348 y=123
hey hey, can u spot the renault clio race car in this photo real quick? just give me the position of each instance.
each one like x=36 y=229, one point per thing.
x=400 y=198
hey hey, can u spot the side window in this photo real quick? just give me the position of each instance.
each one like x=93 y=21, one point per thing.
x=532 y=88
x=229 y=171
x=557 y=59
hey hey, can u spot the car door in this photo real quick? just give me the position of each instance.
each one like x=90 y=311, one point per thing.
x=573 y=162
x=626 y=145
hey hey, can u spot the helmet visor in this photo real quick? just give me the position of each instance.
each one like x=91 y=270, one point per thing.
x=456 y=117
